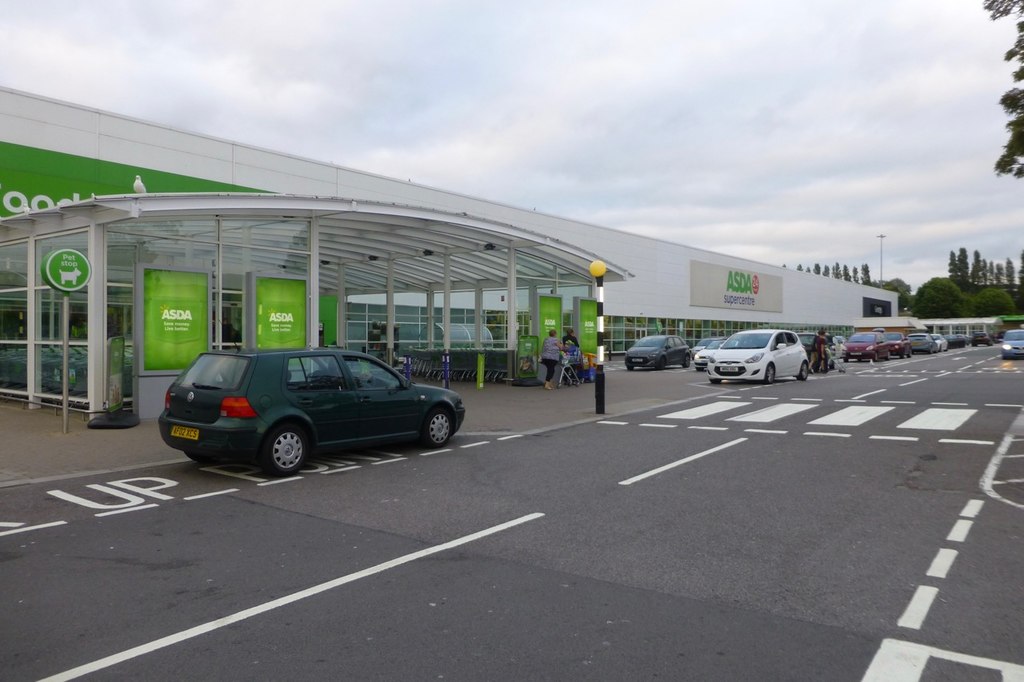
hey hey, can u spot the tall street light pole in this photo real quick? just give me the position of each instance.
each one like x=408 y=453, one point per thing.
x=880 y=278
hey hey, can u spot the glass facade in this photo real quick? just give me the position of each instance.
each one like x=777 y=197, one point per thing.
x=14 y=316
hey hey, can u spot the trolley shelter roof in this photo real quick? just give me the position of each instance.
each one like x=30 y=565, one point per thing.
x=360 y=237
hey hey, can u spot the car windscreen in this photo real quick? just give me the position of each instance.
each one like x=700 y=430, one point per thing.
x=1014 y=335
x=862 y=338
x=650 y=342
x=747 y=341
x=714 y=344
x=216 y=372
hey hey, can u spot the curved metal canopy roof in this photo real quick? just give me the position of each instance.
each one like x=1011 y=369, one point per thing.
x=361 y=237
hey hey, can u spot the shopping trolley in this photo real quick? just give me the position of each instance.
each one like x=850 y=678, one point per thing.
x=570 y=360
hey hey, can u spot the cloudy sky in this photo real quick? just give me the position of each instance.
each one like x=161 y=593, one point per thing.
x=788 y=132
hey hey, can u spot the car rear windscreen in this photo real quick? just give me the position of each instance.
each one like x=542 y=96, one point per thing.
x=216 y=371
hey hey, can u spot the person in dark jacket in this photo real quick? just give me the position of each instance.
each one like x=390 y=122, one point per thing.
x=821 y=352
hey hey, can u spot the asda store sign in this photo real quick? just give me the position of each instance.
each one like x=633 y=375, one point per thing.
x=718 y=286
x=35 y=179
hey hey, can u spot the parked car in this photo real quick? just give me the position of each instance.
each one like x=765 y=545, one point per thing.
x=703 y=343
x=957 y=340
x=940 y=340
x=759 y=355
x=1013 y=344
x=866 y=346
x=981 y=339
x=899 y=344
x=700 y=358
x=921 y=342
x=277 y=407
x=658 y=352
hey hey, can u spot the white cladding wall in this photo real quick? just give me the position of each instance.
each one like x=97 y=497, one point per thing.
x=661 y=269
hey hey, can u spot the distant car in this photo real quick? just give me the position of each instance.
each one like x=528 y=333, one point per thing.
x=899 y=344
x=658 y=351
x=981 y=339
x=276 y=407
x=923 y=343
x=1013 y=344
x=703 y=343
x=700 y=358
x=866 y=346
x=956 y=340
x=941 y=341
x=759 y=355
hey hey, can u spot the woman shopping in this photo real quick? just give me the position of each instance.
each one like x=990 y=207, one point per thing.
x=550 y=355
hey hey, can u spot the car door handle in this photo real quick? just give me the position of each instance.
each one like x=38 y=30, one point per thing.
x=306 y=402
x=364 y=399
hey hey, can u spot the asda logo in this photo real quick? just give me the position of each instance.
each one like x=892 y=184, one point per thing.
x=281 y=317
x=173 y=314
x=742 y=283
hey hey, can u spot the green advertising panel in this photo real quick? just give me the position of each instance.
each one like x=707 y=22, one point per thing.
x=329 y=320
x=175 y=317
x=280 y=312
x=38 y=179
x=586 y=315
x=527 y=351
x=549 y=310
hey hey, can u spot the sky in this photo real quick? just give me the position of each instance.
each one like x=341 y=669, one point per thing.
x=787 y=132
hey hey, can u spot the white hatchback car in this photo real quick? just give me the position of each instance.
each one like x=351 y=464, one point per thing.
x=759 y=355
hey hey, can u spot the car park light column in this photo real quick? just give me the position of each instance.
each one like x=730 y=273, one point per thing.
x=598 y=270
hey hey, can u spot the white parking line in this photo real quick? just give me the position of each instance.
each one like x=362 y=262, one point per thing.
x=906 y=438
x=239 y=616
x=281 y=480
x=865 y=395
x=612 y=423
x=125 y=511
x=655 y=472
x=942 y=563
x=827 y=433
x=897 y=661
x=918 y=607
x=25 y=529
x=213 y=494
x=661 y=426
x=960 y=441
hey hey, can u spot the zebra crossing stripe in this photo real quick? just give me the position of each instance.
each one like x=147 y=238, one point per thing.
x=938 y=419
x=851 y=416
x=704 y=410
x=770 y=414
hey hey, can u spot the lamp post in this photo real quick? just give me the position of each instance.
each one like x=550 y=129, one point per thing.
x=598 y=270
x=880 y=262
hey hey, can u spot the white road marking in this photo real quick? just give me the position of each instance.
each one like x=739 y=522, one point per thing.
x=851 y=416
x=827 y=433
x=660 y=426
x=655 y=472
x=941 y=563
x=428 y=453
x=960 y=441
x=898 y=402
x=972 y=508
x=25 y=529
x=913 y=617
x=993 y=468
x=613 y=423
x=960 y=530
x=1002 y=405
x=905 y=438
x=703 y=411
x=473 y=445
x=938 y=419
x=897 y=661
x=398 y=459
x=951 y=404
x=245 y=614
x=775 y=431
x=810 y=400
x=281 y=480
x=765 y=397
x=214 y=494
x=11 y=524
x=770 y=414
x=709 y=428
x=908 y=383
x=518 y=435
x=339 y=470
x=865 y=395
x=125 y=511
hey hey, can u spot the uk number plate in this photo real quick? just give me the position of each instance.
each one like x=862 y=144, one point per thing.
x=728 y=370
x=186 y=432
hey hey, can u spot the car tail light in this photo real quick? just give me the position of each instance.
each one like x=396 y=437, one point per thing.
x=167 y=399
x=236 y=406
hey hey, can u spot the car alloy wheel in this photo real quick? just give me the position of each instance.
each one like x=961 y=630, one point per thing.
x=437 y=428
x=769 y=374
x=284 y=450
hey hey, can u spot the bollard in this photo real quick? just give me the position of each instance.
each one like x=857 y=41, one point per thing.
x=407 y=367
x=479 y=370
x=446 y=367
x=599 y=390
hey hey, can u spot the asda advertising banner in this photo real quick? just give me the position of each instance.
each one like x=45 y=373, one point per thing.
x=585 y=316
x=175 y=309
x=718 y=286
x=38 y=178
x=548 y=314
x=277 y=307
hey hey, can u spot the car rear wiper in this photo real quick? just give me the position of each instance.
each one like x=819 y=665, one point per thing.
x=206 y=387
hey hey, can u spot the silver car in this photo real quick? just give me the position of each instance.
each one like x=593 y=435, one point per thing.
x=700 y=357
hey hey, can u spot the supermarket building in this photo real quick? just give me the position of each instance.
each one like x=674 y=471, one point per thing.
x=237 y=236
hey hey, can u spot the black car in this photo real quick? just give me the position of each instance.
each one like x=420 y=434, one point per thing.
x=658 y=352
x=981 y=339
x=956 y=340
x=276 y=407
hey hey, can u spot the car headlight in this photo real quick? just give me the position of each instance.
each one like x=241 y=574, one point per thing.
x=756 y=357
x=1007 y=346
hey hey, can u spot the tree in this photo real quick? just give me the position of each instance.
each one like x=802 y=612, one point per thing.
x=817 y=268
x=900 y=287
x=846 y=274
x=865 y=274
x=1011 y=278
x=960 y=269
x=939 y=297
x=992 y=301
x=1012 y=101
x=977 y=276
x=856 y=274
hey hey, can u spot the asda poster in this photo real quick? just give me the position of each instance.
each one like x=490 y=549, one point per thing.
x=176 y=317
x=586 y=316
x=280 y=312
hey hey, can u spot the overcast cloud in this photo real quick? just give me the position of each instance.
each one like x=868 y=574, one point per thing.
x=788 y=132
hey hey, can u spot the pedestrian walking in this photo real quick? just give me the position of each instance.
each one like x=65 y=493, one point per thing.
x=821 y=352
x=551 y=355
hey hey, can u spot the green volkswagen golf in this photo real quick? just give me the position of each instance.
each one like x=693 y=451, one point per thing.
x=277 y=407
